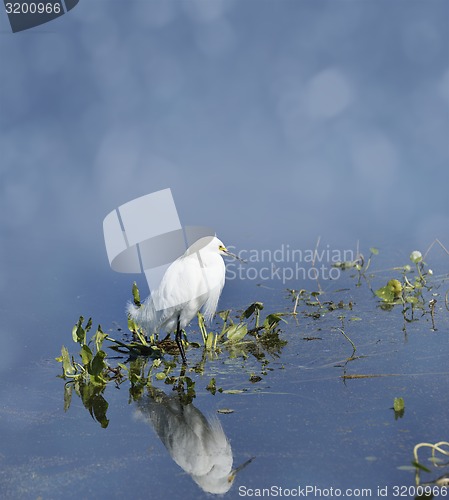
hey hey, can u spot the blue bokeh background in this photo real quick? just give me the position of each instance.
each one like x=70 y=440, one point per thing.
x=265 y=118
x=274 y=122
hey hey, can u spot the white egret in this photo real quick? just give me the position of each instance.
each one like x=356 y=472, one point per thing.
x=191 y=283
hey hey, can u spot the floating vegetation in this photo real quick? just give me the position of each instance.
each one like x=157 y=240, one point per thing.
x=250 y=338
x=143 y=359
x=398 y=404
x=89 y=374
x=398 y=407
x=413 y=287
x=315 y=308
x=390 y=292
x=358 y=263
x=413 y=291
x=407 y=291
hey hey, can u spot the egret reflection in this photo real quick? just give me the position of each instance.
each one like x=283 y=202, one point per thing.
x=198 y=445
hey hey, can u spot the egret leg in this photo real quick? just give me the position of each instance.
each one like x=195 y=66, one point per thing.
x=179 y=342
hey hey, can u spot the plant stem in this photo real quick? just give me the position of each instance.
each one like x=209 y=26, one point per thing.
x=348 y=339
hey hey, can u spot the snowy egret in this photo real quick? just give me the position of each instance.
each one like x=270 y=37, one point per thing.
x=191 y=283
x=199 y=446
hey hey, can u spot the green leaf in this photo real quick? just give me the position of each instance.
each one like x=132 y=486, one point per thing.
x=374 y=250
x=420 y=466
x=137 y=331
x=86 y=355
x=202 y=327
x=398 y=404
x=385 y=293
x=210 y=340
x=237 y=332
x=391 y=291
x=136 y=295
x=67 y=367
x=67 y=395
x=272 y=320
x=75 y=328
x=211 y=386
x=88 y=325
x=99 y=407
x=98 y=338
x=256 y=306
x=78 y=332
x=396 y=287
x=132 y=325
x=141 y=337
x=224 y=314
x=98 y=364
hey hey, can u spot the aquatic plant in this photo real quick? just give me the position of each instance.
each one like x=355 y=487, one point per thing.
x=89 y=373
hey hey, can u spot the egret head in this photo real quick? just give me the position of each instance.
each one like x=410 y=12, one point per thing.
x=224 y=251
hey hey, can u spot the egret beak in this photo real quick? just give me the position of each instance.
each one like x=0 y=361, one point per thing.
x=230 y=254
x=231 y=476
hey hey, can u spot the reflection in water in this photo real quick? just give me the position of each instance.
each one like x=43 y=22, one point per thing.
x=197 y=445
